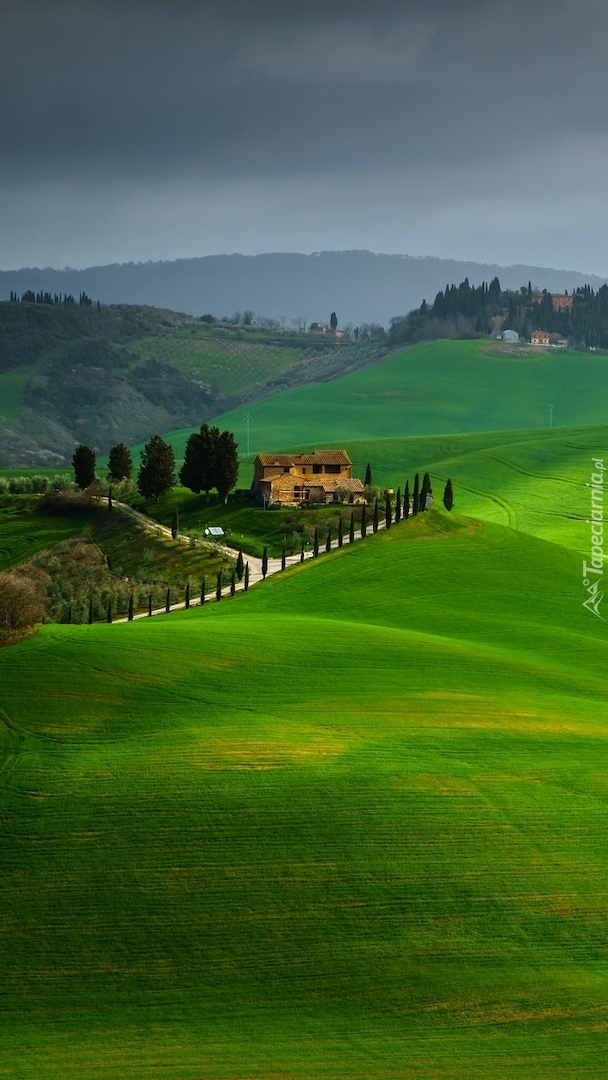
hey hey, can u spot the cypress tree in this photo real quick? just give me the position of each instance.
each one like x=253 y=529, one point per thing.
x=130 y=611
x=168 y=600
x=406 y=500
x=175 y=523
x=448 y=495
x=240 y=566
x=416 y=496
x=110 y=498
x=368 y=476
x=351 y=531
x=363 y=521
x=302 y=552
x=218 y=587
x=109 y=615
x=69 y=613
x=315 y=546
x=283 y=558
x=150 y=604
x=246 y=581
x=340 y=531
x=187 y=599
x=233 y=582
x=328 y=541
x=376 y=516
x=83 y=462
x=388 y=511
x=202 y=592
x=90 y=610
x=264 y=563
x=398 y=507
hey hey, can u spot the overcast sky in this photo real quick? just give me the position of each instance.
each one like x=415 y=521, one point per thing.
x=139 y=130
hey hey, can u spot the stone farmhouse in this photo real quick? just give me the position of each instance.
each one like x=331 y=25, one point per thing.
x=323 y=476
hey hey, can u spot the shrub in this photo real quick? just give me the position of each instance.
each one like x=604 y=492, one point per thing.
x=21 y=603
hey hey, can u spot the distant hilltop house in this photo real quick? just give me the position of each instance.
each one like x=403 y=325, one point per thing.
x=322 y=328
x=540 y=337
x=323 y=476
x=561 y=301
x=543 y=337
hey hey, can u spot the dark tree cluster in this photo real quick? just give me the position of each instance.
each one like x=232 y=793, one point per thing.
x=31 y=297
x=210 y=461
x=467 y=311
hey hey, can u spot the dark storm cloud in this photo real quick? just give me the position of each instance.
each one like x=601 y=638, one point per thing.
x=271 y=88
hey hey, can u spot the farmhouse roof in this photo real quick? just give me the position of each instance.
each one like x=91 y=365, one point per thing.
x=348 y=483
x=318 y=457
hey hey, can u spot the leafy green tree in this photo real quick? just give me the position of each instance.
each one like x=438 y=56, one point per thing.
x=199 y=470
x=226 y=464
x=120 y=463
x=448 y=495
x=84 y=461
x=368 y=476
x=157 y=470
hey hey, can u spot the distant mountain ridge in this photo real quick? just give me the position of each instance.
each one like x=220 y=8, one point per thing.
x=360 y=286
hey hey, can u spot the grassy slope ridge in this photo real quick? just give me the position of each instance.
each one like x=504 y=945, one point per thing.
x=349 y=825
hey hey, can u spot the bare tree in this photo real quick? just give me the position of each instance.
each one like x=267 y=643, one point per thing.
x=21 y=602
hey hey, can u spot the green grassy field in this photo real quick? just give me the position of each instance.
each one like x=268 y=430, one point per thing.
x=351 y=824
x=23 y=532
x=472 y=410
x=443 y=387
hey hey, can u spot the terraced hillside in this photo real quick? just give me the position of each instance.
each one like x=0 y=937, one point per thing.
x=349 y=825
x=78 y=373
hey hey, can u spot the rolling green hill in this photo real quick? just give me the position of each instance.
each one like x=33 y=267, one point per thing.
x=472 y=410
x=351 y=824
x=445 y=387
x=78 y=373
